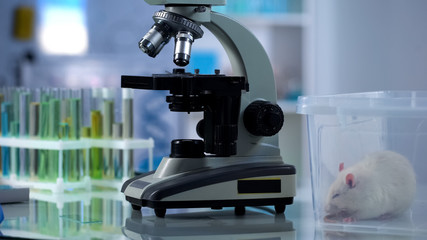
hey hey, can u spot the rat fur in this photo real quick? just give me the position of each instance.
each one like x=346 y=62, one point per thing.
x=382 y=185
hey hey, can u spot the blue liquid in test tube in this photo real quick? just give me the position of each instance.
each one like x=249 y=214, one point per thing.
x=5 y=153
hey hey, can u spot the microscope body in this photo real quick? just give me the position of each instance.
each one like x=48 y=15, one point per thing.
x=238 y=164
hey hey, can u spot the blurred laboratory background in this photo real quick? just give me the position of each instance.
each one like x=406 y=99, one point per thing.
x=315 y=48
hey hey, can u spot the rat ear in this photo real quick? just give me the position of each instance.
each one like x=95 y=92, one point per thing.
x=341 y=166
x=349 y=180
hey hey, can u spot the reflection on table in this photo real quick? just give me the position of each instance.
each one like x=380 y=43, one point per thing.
x=256 y=224
x=50 y=216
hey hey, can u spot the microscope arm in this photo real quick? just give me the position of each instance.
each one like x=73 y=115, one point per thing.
x=248 y=58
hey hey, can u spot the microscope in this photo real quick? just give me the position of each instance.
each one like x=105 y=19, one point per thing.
x=237 y=161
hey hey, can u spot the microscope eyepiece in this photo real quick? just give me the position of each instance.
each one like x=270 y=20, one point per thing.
x=183 y=42
x=155 y=39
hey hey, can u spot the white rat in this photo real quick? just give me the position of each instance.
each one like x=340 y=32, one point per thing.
x=382 y=185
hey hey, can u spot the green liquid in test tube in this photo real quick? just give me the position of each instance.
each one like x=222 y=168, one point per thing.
x=85 y=133
x=64 y=132
x=76 y=161
x=44 y=134
x=96 y=164
x=64 y=128
x=24 y=107
x=54 y=115
x=34 y=133
x=14 y=132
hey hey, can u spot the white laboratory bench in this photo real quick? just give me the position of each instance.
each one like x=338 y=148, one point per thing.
x=105 y=215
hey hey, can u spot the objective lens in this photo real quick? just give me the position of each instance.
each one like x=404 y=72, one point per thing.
x=155 y=39
x=183 y=42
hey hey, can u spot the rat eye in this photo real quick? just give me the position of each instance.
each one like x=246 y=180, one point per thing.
x=335 y=196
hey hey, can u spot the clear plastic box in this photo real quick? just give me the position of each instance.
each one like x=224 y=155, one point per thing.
x=343 y=129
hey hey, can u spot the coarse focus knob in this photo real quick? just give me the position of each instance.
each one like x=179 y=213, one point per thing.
x=263 y=118
x=187 y=148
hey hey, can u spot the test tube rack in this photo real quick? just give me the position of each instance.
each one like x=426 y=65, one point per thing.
x=126 y=145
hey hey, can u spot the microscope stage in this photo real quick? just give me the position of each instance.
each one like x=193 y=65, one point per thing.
x=240 y=185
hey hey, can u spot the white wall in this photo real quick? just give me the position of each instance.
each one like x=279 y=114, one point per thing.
x=369 y=45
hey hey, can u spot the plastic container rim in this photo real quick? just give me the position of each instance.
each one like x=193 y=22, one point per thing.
x=379 y=103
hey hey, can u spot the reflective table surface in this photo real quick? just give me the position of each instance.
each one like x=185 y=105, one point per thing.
x=103 y=214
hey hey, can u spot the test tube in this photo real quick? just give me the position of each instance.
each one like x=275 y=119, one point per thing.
x=14 y=131
x=85 y=133
x=14 y=163
x=75 y=106
x=54 y=121
x=64 y=132
x=108 y=113
x=117 y=153
x=107 y=130
x=24 y=107
x=15 y=104
x=127 y=113
x=64 y=129
x=96 y=163
x=86 y=107
x=1 y=101
x=65 y=105
x=75 y=160
x=45 y=95
x=127 y=118
x=6 y=114
x=33 y=131
x=44 y=134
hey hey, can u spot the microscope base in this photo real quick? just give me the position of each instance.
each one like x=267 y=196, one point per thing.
x=238 y=186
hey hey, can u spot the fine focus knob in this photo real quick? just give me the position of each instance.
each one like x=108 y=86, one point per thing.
x=263 y=118
x=187 y=148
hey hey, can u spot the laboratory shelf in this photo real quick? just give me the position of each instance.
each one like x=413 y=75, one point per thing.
x=85 y=182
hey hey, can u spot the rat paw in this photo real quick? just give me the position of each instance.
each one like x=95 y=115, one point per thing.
x=329 y=219
x=349 y=220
